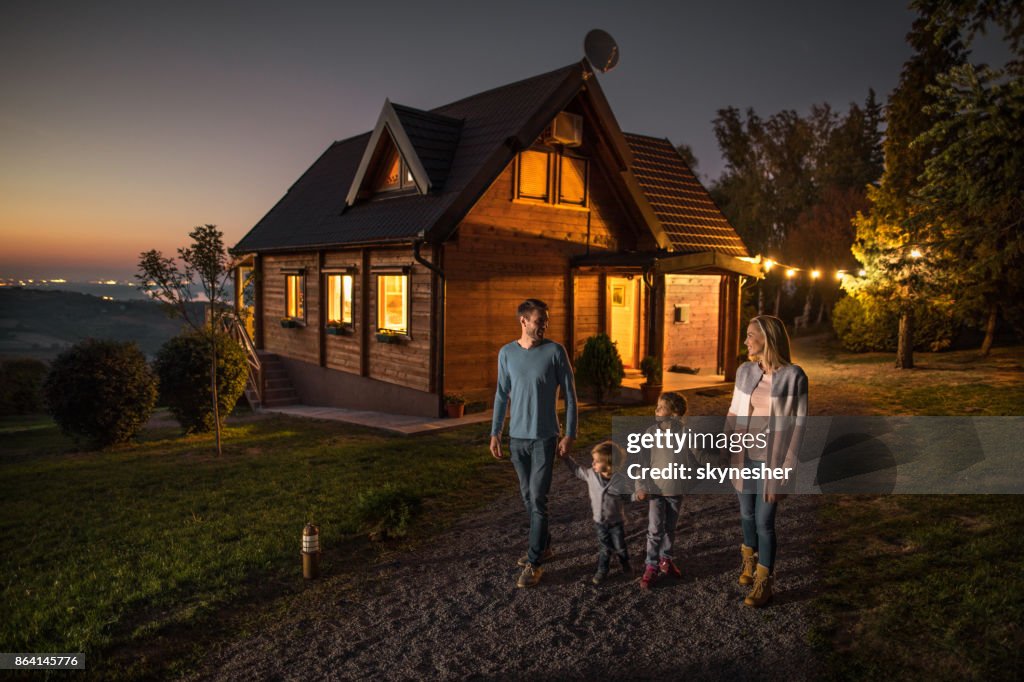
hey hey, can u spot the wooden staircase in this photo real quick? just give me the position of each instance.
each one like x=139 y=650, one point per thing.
x=277 y=386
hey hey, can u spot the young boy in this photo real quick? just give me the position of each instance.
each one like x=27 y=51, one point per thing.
x=606 y=504
x=666 y=496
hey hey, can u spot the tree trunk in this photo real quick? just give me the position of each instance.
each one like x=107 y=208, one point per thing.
x=213 y=380
x=990 y=329
x=778 y=298
x=905 y=340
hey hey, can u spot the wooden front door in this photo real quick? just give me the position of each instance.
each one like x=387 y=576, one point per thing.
x=622 y=317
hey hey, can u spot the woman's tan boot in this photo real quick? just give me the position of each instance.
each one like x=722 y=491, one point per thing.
x=747 y=568
x=762 y=592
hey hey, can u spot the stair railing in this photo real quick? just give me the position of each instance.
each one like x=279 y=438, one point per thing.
x=234 y=328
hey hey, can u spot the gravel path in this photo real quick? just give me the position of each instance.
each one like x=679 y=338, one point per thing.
x=452 y=610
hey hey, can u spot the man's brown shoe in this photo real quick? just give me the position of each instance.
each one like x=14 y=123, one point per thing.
x=530 y=576
x=547 y=555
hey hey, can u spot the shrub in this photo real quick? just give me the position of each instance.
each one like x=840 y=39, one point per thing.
x=386 y=511
x=183 y=365
x=868 y=323
x=599 y=367
x=21 y=386
x=101 y=392
x=650 y=366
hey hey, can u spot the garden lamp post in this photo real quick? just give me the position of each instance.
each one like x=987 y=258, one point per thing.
x=310 y=551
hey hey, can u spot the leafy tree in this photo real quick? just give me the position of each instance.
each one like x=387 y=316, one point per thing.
x=891 y=242
x=974 y=174
x=206 y=260
x=102 y=392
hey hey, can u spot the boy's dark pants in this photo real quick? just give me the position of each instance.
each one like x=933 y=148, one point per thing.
x=612 y=538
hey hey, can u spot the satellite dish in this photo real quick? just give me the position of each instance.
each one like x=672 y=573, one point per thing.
x=601 y=50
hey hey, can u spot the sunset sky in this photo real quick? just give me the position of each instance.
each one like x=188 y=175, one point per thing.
x=123 y=125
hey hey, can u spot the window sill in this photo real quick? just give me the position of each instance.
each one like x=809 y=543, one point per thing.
x=548 y=204
x=384 y=337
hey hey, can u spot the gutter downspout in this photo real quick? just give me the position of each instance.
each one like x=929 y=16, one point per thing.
x=440 y=320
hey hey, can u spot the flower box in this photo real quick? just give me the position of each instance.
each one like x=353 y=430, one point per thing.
x=336 y=330
x=388 y=337
x=289 y=323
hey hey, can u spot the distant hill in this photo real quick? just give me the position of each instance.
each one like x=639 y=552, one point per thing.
x=40 y=324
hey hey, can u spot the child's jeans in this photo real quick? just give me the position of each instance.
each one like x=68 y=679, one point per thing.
x=612 y=538
x=662 y=516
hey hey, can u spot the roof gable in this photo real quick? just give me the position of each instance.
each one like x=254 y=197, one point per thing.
x=688 y=214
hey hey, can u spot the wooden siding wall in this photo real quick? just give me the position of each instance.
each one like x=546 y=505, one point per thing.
x=506 y=251
x=588 y=309
x=694 y=344
x=406 y=364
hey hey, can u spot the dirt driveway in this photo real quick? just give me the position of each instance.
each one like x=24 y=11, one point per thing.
x=451 y=609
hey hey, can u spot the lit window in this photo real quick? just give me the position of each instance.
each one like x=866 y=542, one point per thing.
x=393 y=303
x=534 y=173
x=572 y=186
x=295 y=297
x=339 y=299
x=395 y=174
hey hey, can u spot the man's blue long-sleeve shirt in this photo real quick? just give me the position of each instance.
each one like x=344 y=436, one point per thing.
x=527 y=382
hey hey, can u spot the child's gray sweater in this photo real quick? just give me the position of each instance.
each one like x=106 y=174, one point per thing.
x=605 y=501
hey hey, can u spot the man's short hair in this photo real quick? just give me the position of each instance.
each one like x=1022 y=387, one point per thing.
x=527 y=307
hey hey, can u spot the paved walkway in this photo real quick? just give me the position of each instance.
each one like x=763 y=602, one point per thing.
x=409 y=425
x=396 y=423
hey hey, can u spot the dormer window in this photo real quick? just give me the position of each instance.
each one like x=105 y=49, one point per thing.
x=552 y=177
x=395 y=174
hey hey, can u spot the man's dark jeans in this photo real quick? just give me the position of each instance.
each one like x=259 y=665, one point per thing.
x=612 y=539
x=533 y=460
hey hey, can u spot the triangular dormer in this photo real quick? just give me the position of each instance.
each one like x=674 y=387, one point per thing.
x=409 y=151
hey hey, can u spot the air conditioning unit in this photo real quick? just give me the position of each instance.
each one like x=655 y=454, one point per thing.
x=566 y=129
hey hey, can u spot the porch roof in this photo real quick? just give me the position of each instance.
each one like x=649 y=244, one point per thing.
x=668 y=263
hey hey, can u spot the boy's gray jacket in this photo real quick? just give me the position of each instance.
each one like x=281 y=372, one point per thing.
x=787 y=419
x=605 y=496
x=660 y=458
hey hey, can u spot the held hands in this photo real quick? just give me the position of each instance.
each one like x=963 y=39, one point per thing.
x=641 y=495
x=565 y=445
x=496 y=447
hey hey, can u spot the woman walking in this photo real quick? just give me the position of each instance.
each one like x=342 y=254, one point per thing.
x=770 y=397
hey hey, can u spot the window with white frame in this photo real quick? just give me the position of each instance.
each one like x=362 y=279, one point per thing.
x=393 y=303
x=339 y=300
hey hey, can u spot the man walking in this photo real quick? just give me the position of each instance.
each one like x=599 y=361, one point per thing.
x=531 y=369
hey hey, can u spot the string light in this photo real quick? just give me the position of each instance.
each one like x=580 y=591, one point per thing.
x=790 y=272
x=815 y=274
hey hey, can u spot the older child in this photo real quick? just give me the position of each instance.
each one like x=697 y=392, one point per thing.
x=606 y=505
x=666 y=495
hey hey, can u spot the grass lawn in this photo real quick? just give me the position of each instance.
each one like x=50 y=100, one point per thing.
x=920 y=586
x=123 y=553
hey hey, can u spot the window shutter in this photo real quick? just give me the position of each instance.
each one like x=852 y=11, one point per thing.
x=573 y=184
x=533 y=174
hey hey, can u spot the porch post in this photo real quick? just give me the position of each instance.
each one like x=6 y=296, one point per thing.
x=732 y=328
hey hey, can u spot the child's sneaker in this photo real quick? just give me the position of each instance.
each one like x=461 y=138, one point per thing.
x=599 y=577
x=627 y=568
x=649 y=578
x=667 y=567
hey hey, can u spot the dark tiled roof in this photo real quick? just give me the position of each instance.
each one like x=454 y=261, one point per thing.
x=684 y=208
x=434 y=137
x=313 y=212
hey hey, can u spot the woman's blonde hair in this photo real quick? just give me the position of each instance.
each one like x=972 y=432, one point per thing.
x=776 y=342
x=607 y=454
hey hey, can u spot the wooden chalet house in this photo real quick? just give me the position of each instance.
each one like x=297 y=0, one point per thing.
x=389 y=274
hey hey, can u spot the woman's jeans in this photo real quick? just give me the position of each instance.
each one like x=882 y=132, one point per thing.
x=757 y=518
